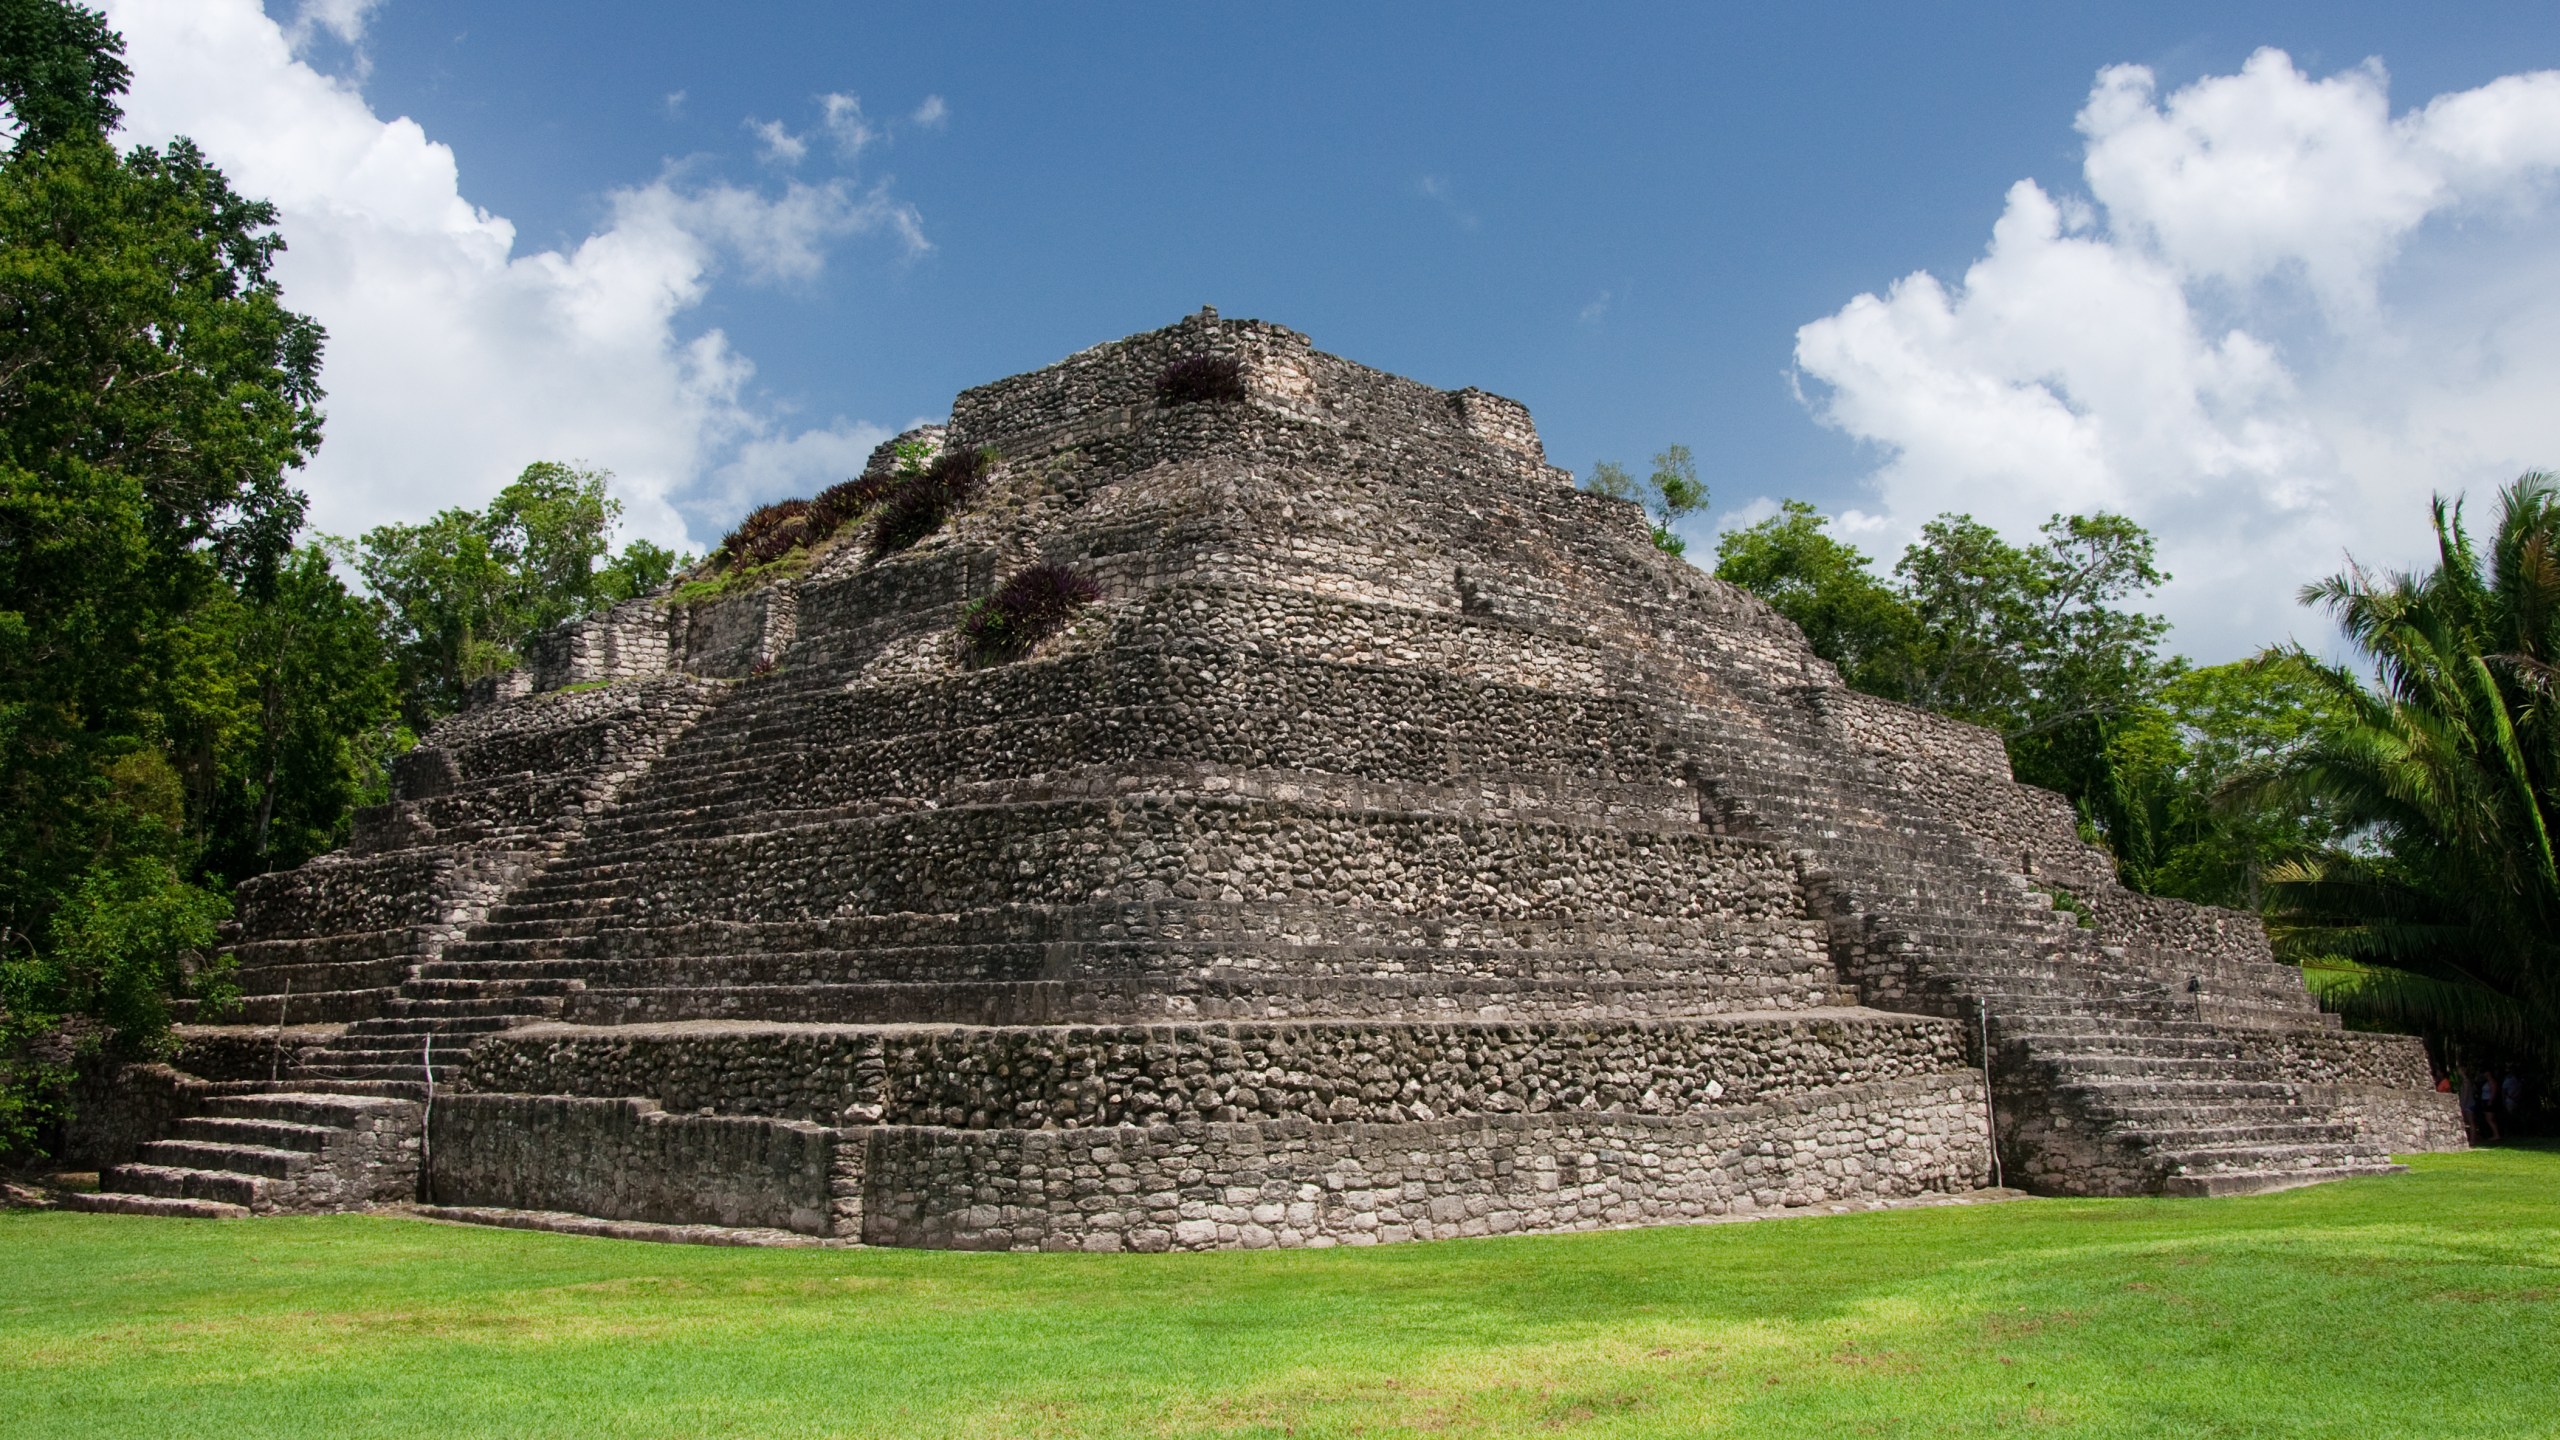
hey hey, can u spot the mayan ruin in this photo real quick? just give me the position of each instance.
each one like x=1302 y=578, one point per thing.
x=1376 y=839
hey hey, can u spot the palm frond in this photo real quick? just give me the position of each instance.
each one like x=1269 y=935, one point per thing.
x=2471 y=1015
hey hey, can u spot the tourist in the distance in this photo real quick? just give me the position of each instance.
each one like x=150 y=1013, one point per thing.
x=2511 y=1095
x=2466 y=1095
x=2488 y=1108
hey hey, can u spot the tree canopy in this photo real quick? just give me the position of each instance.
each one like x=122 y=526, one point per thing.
x=467 y=588
x=2033 y=641
x=1672 y=493
x=2443 y=911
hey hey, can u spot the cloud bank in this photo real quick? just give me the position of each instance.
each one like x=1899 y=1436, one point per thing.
x=453 y=359
x=2279 y=318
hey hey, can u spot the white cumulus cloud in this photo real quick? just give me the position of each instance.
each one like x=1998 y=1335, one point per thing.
x=2280 y=317
x=454 y=357
x=779 y=144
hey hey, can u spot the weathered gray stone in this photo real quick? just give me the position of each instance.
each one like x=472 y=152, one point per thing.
x=1404 y=847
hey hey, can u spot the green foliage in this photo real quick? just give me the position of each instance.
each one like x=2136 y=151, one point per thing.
x=154 y=393
x=2073 y=906
x=320 y=706
x=2033 y=641
x=1672 y=493
x=641 y=569
x=36 y=1071
x=467 y=588
x=184 y=698
x=129 y=937
x=2445 y=911
x=918 y=503
x=2197 y=772
x=1851 y=618
x=61 y=70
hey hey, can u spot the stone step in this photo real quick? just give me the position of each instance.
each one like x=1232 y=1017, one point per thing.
x=2261 y=1182
x=180 y=1183
x=2263 y=1155
x=261 y=1160
x=458 y=1015
x=2204 y=1134
x=257 y=1130
x=104 y=1202
x=322 y=1087
x=323 y=1109
x=385 y=1067
x=264 y=986
x=475 y=986
x=304 y=1008
x=412 y=1025
x=2113 y=1094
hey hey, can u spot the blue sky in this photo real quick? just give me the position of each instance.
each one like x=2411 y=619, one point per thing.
x=1621 y=215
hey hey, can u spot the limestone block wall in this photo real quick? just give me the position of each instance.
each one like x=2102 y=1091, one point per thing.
x=1291 y=1183
x=1080 y=1077
x=1139 y=988
x=1149 y=847
x=631 y=641
x=1200 y=1185
x=627 y=1159
x=2394 y=1118
x=344 y=894
x=1126 y=711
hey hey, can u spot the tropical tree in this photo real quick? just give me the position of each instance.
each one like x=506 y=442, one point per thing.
x=2192 y=770
x=1671 y=494
x=2444 y=914
x=1829 y=588
x=2034 y=641
x=155 y=394
x=466 y=588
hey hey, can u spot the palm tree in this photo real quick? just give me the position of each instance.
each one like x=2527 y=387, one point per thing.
x=2439 y=916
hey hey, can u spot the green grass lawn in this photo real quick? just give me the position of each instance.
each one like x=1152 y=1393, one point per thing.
x=2424 y=1304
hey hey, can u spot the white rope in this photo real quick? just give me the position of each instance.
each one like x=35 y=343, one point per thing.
x=1990 y=1111
x=275 y=1052
x=426 y=1119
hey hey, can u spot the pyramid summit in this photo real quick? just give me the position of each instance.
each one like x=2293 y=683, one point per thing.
x=1211 y=793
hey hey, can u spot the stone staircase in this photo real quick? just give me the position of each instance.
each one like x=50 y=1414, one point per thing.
x=344 y=1131
x=2116 y=1070
x=254 y=1151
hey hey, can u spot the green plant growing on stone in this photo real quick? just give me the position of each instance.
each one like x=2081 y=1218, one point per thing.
x=918 y=504
x=1032 y=606
x=1671 y=494
x=2075 y=907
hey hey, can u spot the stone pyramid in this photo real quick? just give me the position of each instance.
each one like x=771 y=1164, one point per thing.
x=1401 y=847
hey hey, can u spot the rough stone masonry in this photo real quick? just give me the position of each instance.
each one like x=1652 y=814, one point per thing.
x=1402 y=847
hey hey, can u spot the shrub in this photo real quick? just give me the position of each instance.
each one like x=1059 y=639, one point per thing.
x=1032 y=606
x=916 y=504
x=844 y=502
x=767 y=534
x=1198 y=378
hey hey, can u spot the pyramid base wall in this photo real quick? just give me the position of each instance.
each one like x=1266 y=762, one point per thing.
x=1213 y=1185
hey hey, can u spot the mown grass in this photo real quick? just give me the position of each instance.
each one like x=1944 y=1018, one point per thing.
x=2425 y=1304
